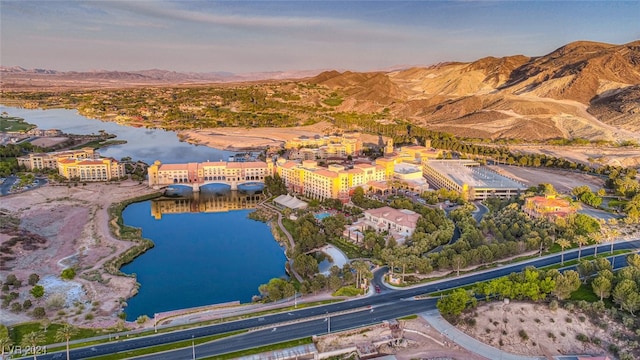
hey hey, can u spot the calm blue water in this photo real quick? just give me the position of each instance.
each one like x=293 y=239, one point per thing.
x=200 y=259
x=321 y=215
x=143 y=144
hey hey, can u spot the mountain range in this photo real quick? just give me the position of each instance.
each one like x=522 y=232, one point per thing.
x=581 y=90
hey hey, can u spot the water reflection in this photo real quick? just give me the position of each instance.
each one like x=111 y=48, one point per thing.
x=185 y=201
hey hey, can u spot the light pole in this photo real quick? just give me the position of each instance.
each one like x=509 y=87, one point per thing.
x=328 y=323
x=155 y=322
x=193 y=349
x=295 y=300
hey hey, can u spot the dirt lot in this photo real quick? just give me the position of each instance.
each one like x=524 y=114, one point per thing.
x=532 y=329
x=562 y=180
x=74 y=222
x=592 y=155
x=419 y=341
x=232 y=138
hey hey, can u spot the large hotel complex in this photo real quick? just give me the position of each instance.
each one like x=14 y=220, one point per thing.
x=411 y=167
x=82 y=165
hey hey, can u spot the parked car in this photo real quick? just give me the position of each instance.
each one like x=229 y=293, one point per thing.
x=378 y=289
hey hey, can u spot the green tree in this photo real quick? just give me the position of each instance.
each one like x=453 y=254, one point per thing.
x=32 y=340
x=626 y=295
x=601 y=286
x=65 y=333
x=456 y=302
x=566 y=283
x=563 y=243
x=5 y=340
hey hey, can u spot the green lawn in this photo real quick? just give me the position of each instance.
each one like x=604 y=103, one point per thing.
x=11 y=123
x=18 y=331
x=266 y=348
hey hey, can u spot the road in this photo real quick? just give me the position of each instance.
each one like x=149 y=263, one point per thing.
x=389 y=304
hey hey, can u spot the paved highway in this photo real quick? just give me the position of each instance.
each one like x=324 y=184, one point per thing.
x=386 y=305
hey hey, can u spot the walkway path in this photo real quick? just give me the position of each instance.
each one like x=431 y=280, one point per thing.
x=292 y=244
x=434 y=318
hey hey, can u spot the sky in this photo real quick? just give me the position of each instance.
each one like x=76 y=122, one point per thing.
x=260 y=36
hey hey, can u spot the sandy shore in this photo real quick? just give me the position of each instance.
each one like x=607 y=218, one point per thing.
x=75 y=222
x=238 y=139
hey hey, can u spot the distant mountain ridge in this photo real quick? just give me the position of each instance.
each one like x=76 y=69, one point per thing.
x=581 y=90
x=155 y=75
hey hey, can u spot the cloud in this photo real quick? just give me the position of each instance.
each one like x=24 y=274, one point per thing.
x=307 y=27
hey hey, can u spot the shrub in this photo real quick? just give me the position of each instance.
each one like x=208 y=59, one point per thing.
x=89 y=316
x=553 y=305
x=27 y=304
x=68 y=274
x=568 y=320
x=16 y=307
x=56 y=301
x=582 y=338
x=37 y=291
x=142 y=319
x=551 y=335
x=39 y=312
x=523 y=335
x=33 y=279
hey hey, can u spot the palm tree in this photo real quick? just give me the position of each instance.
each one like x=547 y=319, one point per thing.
x=598 y=238
x=5 y=342
x=31 y=341
x=563 y=243
x=581 y=240
x=65 y=333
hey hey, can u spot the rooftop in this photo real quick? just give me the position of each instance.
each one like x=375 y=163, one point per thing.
x=471 y=173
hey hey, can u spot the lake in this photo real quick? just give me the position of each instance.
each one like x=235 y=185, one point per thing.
x=143 y=144
x=207 y=250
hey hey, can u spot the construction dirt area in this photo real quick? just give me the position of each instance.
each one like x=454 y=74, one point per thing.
x=406 y=339
x=562 y=180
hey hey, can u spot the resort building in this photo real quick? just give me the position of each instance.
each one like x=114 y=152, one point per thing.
x=104 y=169
x=409 y=176
x=232 y=173
x=417 y=154
x=398 y=223
x=334 y=181
x=330 y=145
x=471 y=180
x=50 y=160
x=549 y=207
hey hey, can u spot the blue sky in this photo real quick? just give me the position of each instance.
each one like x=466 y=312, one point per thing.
x=243 y=36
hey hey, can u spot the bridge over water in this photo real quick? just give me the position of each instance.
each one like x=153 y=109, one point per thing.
x=237 y=175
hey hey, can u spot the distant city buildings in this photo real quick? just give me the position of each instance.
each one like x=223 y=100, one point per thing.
x=548 y=207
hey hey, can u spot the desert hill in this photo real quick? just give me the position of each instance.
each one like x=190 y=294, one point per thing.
x=583 y=89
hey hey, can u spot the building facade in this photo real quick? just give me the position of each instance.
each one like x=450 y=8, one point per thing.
x=549 y=207
x=334 y=181
x=36 y=161
x=232 y=173
x=104 y=169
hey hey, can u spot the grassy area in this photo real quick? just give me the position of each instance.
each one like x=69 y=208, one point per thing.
x=348 y=291
x=333 y=100
x=409 y=317
x=96 y=144
x=352 y=250
x=167 y=347
x=12 y=123
x=266 y=348
x=17 y=332
x=584 y=293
